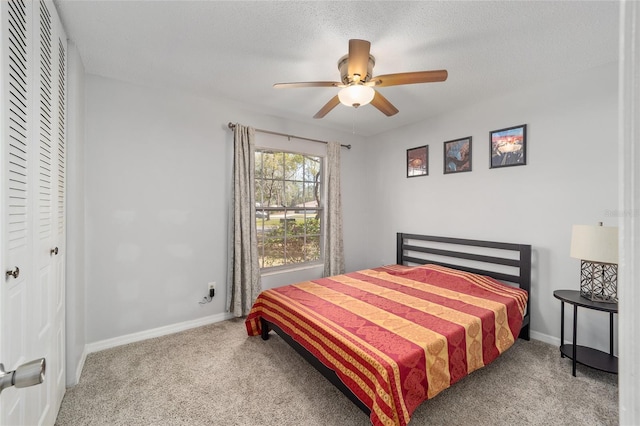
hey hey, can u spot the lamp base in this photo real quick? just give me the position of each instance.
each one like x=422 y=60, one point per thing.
x=599 y=281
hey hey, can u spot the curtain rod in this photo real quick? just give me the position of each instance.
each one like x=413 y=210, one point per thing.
x=232 y=126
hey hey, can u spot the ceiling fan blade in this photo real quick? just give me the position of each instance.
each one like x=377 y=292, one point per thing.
x=327 y=107
x=358 y=57
x=410 y=78
x=383 y=105
x=308 y=84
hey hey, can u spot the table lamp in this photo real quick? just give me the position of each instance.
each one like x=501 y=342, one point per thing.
x=597 y=248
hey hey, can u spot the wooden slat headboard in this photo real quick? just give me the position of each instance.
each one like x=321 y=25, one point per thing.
x=411 y=250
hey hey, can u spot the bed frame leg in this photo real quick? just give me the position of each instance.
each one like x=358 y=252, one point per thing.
x=265 y=329
x=524 y=333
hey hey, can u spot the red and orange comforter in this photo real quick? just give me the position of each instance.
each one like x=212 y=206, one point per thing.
x=397 y=335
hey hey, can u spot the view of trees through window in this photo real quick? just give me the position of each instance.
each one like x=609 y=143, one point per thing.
x=288 y=207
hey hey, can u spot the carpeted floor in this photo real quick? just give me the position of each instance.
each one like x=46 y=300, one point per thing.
x=216 y=375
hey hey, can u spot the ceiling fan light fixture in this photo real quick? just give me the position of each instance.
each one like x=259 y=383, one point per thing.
x=358 y=81
x=356 y=95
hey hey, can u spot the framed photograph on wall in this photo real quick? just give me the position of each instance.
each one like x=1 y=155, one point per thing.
x=508 y=146
x=418 y=161
x=457 y=155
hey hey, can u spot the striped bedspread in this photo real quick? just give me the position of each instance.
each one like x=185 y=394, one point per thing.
x=397 y=335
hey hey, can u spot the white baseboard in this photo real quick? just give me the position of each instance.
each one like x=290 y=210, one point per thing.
x=80 y=366
x=155 y=332
x=545 y=338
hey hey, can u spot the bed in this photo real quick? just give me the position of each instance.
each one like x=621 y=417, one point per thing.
x=394 y=336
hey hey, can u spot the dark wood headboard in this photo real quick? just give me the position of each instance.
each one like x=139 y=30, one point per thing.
x=412 y=249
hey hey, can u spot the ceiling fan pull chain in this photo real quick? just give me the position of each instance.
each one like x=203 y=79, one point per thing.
x=353 y=121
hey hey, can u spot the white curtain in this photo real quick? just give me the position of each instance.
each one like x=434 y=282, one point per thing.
x=244 y=278
x=333 y=250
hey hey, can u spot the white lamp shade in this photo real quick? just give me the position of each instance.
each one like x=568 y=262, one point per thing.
x=356 y=95
x=595 y=243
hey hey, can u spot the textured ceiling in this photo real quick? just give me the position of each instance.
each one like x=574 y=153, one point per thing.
x=237 y=50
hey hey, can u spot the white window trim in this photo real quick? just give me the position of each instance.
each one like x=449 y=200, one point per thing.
x=268 y=142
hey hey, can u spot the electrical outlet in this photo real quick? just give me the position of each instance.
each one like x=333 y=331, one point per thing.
x=212 y=285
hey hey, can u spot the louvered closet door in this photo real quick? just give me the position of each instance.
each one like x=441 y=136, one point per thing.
x=17 y=156
x=48 y=318
x=33 y=233
x=58 y=246
x=44 y=215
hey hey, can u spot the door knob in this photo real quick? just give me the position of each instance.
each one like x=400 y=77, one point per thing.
x=54 y=251
x=13 y=273
x=29 y=374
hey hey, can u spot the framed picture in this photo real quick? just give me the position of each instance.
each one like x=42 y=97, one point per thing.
x=508 y=147
x=457 y=155
x=418 y=161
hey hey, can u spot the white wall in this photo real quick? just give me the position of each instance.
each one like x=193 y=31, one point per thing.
x=158 y=170
x=570 y=178
x=75 y=256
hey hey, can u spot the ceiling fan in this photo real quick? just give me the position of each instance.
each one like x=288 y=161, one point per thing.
x=358 y=82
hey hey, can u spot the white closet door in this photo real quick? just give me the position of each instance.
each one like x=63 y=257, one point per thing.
x=16 y=158
x=33 y=199
x=59 y=207
x=44 y=177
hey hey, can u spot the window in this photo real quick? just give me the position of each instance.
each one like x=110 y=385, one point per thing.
x=289 y=204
